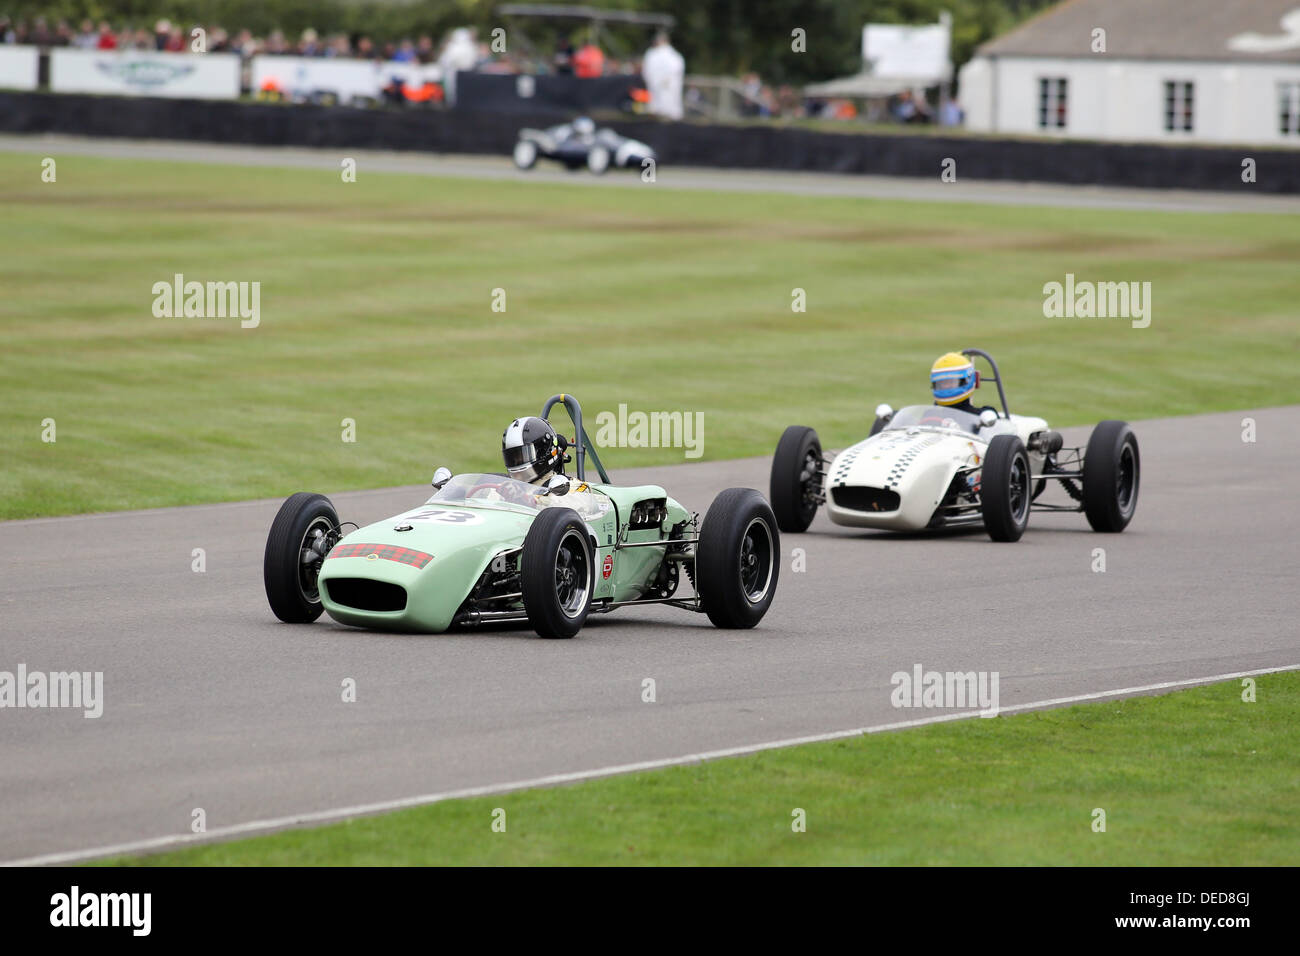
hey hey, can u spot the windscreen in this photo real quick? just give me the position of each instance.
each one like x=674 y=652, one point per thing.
x=488 y=491
x=934 y=416
x=506 y=494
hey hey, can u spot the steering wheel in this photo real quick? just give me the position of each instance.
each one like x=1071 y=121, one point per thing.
x=485 y=486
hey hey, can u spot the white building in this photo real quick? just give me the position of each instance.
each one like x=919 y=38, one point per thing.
x=1162 y=70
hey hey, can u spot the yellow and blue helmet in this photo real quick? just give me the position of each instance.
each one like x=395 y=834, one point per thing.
x=952 y=378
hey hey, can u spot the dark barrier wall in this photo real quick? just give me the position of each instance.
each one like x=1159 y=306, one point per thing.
x=689 y=144
x=560 y=96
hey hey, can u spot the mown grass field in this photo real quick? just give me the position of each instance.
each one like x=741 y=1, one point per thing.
x=1193 y=778
x=376 y=306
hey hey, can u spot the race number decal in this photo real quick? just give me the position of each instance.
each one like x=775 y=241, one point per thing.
x=608 y=567
x=447 y=516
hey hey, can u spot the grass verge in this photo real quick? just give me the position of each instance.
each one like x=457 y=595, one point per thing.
x=376 y=306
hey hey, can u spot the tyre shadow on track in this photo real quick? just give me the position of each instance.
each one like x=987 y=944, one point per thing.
x=974 y=533
x=504 y=630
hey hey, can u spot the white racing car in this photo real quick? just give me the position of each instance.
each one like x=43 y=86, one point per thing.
x=933 y=466
x=579 y=144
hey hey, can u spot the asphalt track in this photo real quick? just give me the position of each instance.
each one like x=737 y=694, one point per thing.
x=668 y=177
x=212 y=703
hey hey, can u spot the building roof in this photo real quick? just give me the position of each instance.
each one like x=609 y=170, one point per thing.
x=1241 y=31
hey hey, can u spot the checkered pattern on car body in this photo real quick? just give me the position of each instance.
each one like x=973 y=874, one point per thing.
x=383 y=552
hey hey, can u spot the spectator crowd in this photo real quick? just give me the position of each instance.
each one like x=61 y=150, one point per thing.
x=585 y=60
x=171 y=37
x=462 y=50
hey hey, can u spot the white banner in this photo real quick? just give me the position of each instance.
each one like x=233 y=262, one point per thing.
x=18 y=67
x=207 y=76
x=304 y=76
x=907 y=51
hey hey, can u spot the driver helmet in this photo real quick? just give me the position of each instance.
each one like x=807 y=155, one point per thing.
x=952 y=379
x=531 y=449
x=584 y=127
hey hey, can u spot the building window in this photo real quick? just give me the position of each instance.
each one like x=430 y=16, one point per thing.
x=1052 y=97
x=1178 y=106
x=1288 y=101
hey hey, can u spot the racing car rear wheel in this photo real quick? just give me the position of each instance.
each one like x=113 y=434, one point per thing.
x=302 y=533
x=737 y=559
x=557 y=573
x=1111 y=469
x=1005 y=491
x=525 y=155
x=796 y=478
x=598 y=159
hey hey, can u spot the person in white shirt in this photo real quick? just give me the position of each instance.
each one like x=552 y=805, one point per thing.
x=459 y=54
x=663 y=70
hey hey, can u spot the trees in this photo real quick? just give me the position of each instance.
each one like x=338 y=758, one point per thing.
x=735 y=36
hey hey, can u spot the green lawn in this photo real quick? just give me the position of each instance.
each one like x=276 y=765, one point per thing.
x=376 y=306
x=1192 y=778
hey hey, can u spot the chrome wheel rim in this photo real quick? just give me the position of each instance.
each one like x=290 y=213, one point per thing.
x=1126 y=479
x=1019 y=497
x=312 y=549
x=756 y=560
x=572 y=573
x=810 y=484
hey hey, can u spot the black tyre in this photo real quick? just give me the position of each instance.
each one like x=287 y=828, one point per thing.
x=557 y=573
x=303 y=531
x=796 y=478
x=1005 y=491
x=1112 y=469
x=737 y=559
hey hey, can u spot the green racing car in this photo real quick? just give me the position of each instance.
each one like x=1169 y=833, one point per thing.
x=488 y=548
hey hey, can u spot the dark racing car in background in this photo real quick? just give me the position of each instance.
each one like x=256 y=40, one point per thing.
x=579 y=144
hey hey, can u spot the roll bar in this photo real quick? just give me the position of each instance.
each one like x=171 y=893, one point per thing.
x=997 y=376
x=585 y=446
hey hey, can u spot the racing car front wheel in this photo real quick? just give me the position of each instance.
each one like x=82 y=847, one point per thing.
x=525 y=155
x=1111 y=469
x=302 y=533
x=557 y=573
x=1005 y=493
x=796 y=478
x=598 y=159
x=737 y=559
